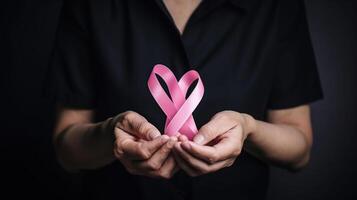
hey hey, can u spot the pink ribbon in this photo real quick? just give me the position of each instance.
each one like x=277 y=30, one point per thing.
x=178 y=109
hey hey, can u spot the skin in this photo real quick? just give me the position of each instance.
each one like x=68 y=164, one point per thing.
x=284 y=140
x=181 y=11
x=128 y=137
x=80 y=144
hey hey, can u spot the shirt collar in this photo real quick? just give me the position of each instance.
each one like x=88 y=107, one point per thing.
x=246 y=5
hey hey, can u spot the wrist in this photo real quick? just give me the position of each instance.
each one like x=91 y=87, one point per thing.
x=109 y=126
x=250 y=124
x=105 y=133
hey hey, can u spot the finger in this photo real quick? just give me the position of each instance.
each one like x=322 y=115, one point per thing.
x=134 y=150
x=191 y=160
x=135 y=124
x=158 y=158
x=219 y=124
x=200 y=165
x=183 y=164
x=229 y=146
x=182 y=138
x=166 y=172
x=169 y=168
x=120 y=138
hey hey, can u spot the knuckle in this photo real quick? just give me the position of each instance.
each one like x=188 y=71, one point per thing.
x=145 y=128
x=165 y=175
x=205 y=170
x=218 y=115
x=213 y=158
x=129 y=114
x=128 y=117
x=118 y=148
x=223 y=115
x=121 y=124
x=246 y=116
x=153 y=165
x=119 y=154
x=166 y=149
x=150 y=129
x=143 y=153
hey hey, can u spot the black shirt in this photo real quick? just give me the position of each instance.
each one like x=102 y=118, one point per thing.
x=252 y=56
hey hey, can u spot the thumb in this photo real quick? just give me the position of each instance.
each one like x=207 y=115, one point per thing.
x=136 y=125
x=217 y=126
x=206 y=134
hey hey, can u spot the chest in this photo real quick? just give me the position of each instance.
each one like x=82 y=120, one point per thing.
x=229 y=50
x=180 y=11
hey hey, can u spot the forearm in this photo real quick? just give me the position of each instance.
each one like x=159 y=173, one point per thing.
x=86 y=146
x=280 y=144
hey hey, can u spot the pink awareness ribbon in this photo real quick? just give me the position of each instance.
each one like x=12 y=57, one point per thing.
x=178 y=109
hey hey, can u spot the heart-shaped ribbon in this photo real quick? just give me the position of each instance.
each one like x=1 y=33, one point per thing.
x=178 y=109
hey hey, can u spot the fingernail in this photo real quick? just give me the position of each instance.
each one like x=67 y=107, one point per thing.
x=172 y=142
x=165 y=138
x=198 y=139
x=183 y=138
x=186 y=145
x=154 y=134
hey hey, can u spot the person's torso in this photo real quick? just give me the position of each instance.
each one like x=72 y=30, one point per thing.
x=230 y=45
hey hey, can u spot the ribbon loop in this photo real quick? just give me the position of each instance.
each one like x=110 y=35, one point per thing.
x=178 y=109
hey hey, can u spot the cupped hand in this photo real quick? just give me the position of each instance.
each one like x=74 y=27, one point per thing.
x=216 y=145
x=142 y=149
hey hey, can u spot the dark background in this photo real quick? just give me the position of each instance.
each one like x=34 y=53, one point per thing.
x=27 y=32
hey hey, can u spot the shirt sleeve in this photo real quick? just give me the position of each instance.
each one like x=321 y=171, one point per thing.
x=296 y=80
x=71 y=77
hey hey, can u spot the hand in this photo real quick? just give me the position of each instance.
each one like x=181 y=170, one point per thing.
x=217 y=144
x=141 y=148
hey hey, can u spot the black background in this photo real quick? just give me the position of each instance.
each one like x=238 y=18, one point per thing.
x=28 y=164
